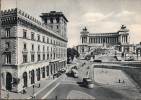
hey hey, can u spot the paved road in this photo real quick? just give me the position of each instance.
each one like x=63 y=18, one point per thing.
x=70 y=88
x=64 y=91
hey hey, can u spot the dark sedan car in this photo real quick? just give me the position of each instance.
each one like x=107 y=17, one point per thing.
x=88 y=82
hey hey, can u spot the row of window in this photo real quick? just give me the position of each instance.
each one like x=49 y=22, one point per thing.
x=52 y=54
x=44 y=39
x=46 y=56
x=48 y=49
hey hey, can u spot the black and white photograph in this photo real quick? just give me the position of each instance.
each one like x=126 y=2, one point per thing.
x=70 y=49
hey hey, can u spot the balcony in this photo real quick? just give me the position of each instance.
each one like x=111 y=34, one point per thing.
x=32 y=51
x=24 y=51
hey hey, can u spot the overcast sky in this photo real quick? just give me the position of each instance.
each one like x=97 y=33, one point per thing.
x=96 y=15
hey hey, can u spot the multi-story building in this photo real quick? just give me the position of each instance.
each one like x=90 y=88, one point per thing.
x=118 y=40
x=31 y=50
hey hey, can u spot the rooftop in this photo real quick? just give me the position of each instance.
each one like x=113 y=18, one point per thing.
x=53 y=14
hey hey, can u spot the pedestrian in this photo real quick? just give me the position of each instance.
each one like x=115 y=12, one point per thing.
x=87 y=73
x=119 y=80
x=24 y=91
x=123 y=81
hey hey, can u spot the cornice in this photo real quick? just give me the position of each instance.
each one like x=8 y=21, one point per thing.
x=16 y=16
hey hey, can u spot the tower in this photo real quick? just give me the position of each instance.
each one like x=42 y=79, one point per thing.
x=123 y=35
x=57 y=21
x=84 y=36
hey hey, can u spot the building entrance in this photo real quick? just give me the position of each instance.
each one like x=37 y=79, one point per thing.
x=25 y=79
x=8 y=81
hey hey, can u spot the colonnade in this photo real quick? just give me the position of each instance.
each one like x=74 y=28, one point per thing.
x=84 y=39
x=124 y=39
x=101 y=39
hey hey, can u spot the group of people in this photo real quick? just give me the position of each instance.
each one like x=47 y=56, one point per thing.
x=119 y=81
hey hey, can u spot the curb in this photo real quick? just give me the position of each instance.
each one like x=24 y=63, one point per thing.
x=44 y=87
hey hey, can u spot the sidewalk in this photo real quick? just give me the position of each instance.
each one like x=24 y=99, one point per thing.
x=43 y=84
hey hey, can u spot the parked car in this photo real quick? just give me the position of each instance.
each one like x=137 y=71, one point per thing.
x=74 y=73
x=69 y=73
x=97 y=60
x=131 y=58
x=63 y=70
x=56 y=75
x=88 y=82
x=74 y=67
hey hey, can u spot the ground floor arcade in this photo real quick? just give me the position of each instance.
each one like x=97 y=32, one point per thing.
x=18 y=78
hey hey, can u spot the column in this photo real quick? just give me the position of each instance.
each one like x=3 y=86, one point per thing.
x=100 y=39
x=110 y=40
x=97 y=40
x=122 y=39
x=106 y=39
x=87 y=39
x=94 y=39
x=82 y=39
x=114 y=39
x=140 y=52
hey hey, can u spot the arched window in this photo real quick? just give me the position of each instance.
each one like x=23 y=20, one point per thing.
x=43 y=72
x=32 y=77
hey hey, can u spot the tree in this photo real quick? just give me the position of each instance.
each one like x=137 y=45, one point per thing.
x=71 y=52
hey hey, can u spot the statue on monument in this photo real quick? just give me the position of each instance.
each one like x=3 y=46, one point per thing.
x=123 y=27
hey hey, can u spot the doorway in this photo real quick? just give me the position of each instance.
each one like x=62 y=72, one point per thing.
x=25 y=79
x=8 y=81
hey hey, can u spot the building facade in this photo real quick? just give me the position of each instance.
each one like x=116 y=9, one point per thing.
x=118 y=40
x=31 y=50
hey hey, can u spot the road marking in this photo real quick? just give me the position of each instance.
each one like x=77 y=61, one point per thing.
x=50 y=91
x=43 y=88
